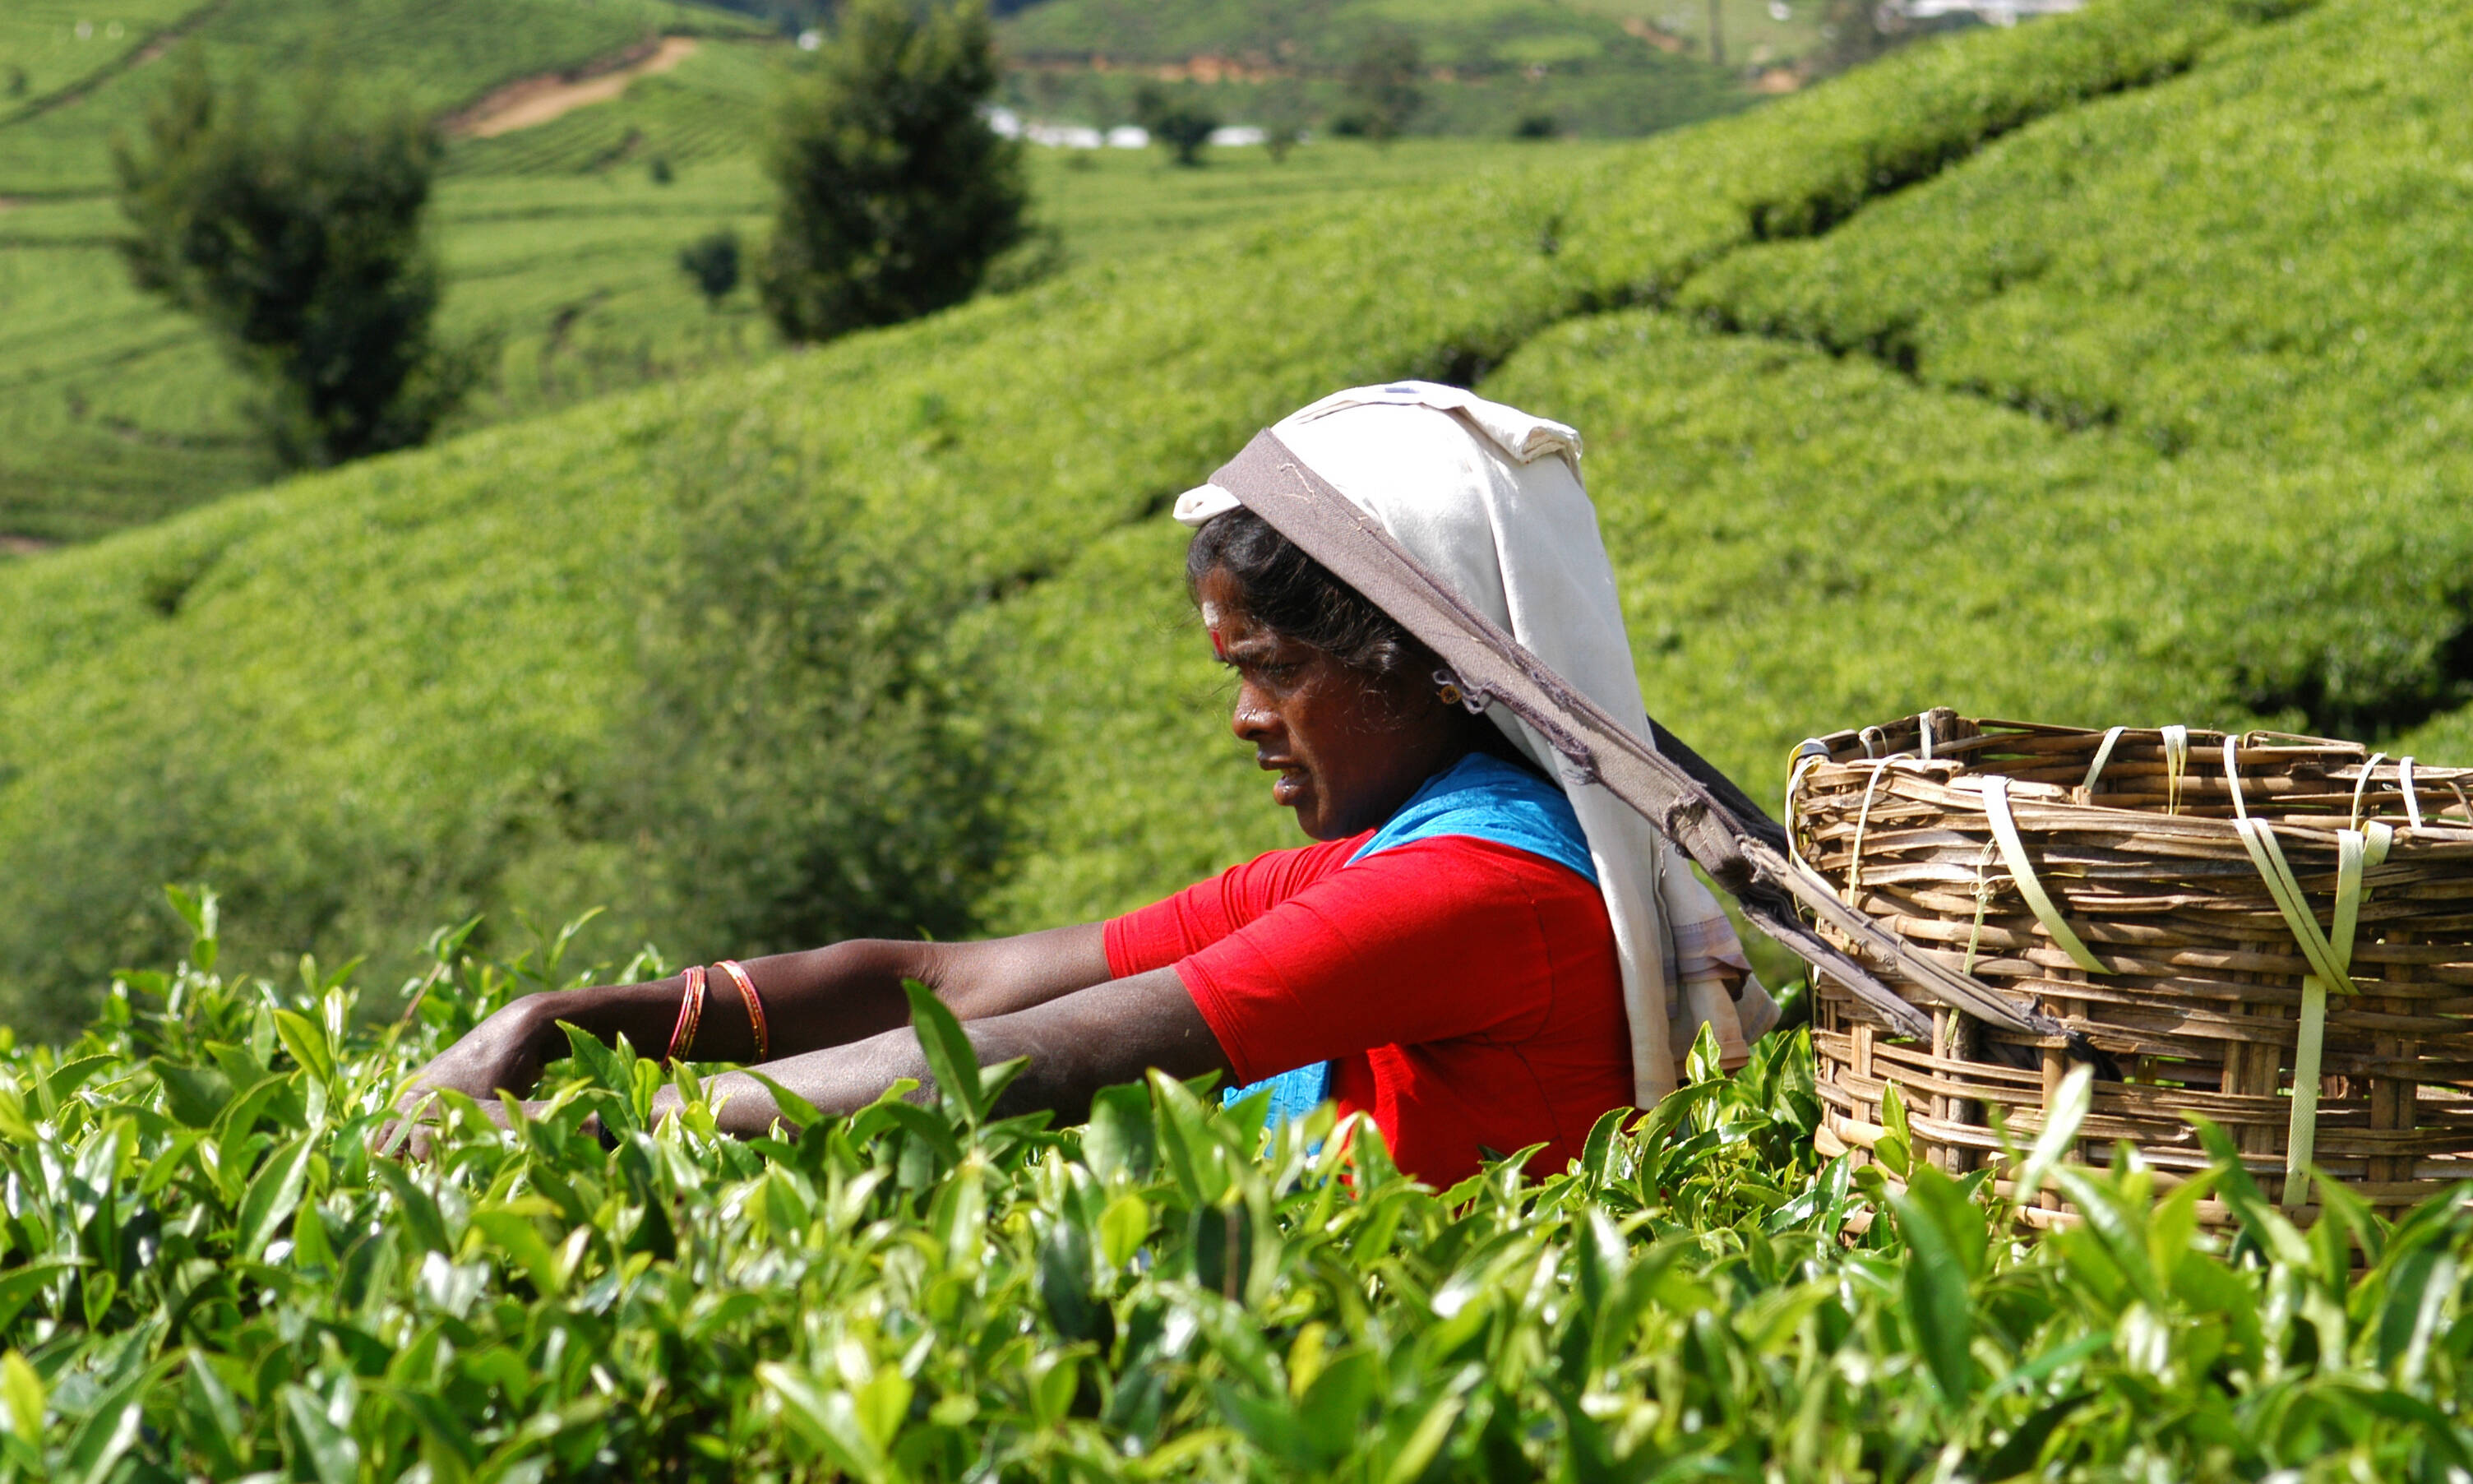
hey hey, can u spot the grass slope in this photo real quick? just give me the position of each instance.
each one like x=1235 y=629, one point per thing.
x=387 y=696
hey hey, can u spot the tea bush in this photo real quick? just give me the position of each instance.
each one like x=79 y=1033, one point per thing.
x=204 y=1271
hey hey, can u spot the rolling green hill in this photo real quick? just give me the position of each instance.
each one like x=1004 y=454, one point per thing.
x=2102 y=370
x=560 y=238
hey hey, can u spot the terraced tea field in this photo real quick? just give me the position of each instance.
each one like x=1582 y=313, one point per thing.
x=561 y=244
x=2101 y=370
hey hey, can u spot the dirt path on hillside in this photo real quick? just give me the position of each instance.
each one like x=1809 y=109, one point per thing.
x=535 y=101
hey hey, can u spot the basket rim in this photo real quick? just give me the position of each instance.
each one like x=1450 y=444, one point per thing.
x=1952 y=762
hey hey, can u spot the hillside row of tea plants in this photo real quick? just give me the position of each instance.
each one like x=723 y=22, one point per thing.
x=118 y=410
x=560 y=243
x=433 y=54
x=113 y=409
x=1816 y=529
x=207 y=1272
x=48 y=47
x=502 y=672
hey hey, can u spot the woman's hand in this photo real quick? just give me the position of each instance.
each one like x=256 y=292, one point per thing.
x=503 y=1053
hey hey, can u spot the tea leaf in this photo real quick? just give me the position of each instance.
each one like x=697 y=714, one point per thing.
x=272 y=1194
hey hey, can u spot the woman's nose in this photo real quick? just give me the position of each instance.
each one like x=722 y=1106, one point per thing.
x=1251 y=720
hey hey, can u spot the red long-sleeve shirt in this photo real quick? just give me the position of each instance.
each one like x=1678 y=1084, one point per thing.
x=1467 y=993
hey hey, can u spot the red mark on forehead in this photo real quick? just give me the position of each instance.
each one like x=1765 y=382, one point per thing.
x=1219 y=644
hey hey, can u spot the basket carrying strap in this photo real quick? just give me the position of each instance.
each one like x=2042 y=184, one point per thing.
x=2330 y=954
x=2103 y=755
x=2013 y=854
x=1707 y=817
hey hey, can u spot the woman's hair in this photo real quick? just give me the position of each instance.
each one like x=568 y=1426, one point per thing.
x=1296 y=597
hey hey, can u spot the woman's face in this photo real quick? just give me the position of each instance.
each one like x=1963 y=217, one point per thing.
x=1349 y=747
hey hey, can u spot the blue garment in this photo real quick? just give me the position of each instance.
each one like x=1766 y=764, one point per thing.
x=1482 y=796
x=1293 y=1095
x=1487 y=798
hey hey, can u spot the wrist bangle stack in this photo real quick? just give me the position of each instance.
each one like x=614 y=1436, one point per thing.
x=754 y=1007
x=690 y=1015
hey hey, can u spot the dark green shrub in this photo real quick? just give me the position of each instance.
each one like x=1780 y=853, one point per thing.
x=1382 y=84
x=298 y=237
x=812 y=760
x=711 y=261
x=1280 y=108
x=895 y=194
x=1182 y=123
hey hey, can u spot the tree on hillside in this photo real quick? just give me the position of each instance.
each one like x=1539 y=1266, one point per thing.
x=1853 y=32
x=711 y=262
x=1182 y=123
x=1382 y=85
x=298 y=237
x=894 y=193
x=1281 y=111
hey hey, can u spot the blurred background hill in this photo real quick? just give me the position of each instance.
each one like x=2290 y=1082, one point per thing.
x=1482 y=66
x=592 y=138
x=2109 y=368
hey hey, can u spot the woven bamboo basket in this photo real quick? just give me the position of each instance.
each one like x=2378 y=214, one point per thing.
x=2131 y=903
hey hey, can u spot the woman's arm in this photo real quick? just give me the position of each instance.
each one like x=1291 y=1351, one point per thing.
x=819 y=999
x=1076 y=1043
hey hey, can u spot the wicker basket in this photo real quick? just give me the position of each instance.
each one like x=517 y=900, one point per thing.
x=2131 y=902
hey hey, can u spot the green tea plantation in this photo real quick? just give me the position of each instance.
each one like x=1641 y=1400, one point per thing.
x=206 y=1272
x=2109 y=368
x=558 y=240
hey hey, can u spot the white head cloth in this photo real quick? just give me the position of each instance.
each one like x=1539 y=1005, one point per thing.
x=1490 y=500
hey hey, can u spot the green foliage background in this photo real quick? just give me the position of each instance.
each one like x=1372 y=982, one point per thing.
x=424 y=689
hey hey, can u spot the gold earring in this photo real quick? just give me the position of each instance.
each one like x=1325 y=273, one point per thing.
x=1448 y=695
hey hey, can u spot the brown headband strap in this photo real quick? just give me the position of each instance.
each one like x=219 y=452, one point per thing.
x=1269 y=479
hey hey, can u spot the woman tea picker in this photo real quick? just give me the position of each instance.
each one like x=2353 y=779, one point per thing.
x=1475 y=952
